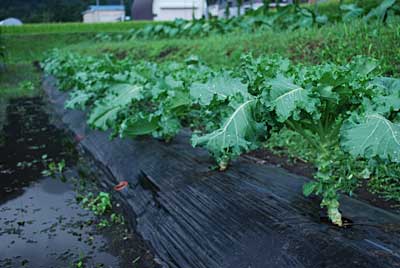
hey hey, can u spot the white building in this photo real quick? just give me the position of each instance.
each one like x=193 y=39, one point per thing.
x=165 y=10
x=219 y=8
x=109 y=13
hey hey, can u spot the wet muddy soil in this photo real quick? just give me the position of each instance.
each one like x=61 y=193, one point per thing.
x=41 y=222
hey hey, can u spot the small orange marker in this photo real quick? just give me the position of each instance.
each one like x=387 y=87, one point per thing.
x=120 y=186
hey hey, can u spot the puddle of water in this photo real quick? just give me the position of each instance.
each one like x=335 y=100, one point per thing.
x=41 y=224
x=28 y=138
x=45 y=227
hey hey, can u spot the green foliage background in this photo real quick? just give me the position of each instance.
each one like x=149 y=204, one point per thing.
x=50 y=10
x=34 y=11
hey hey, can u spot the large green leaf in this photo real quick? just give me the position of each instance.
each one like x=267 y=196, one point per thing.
x=370 y=136
x=381 y=10
x=78 y=99
x=352 y=11
x=177 y=99
x=234 y=137
x=165 y=84
x=138 y=126
x=388 y=84
x=172 y=108
x=386 y=104
x=388 y=96
x=287 y=99
x=221 y=87
x=106 y=110
x=363 y=66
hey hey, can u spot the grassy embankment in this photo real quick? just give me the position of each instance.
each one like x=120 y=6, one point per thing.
x=335 y=41
x=338 y=43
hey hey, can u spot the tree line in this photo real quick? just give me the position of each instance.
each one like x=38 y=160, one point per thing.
x=33 y=11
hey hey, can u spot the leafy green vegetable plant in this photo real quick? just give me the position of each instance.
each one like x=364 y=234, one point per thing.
x=314 y=102
x=132 y=99
x=346 y=115
x=290 y=17
x=381 y=12
x=99 y=204
x=351 y=11
x=332 y=107
x=54 y=168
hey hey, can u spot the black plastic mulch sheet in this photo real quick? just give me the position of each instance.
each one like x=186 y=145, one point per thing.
x=249 y=216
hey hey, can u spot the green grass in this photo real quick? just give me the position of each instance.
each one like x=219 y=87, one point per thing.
x=387 y=188
x=337 y=43
x=24 y=49
x=75 y=27
x=19 y=80
x=334 y=42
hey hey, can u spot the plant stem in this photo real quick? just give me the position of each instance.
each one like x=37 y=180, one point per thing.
x=304 y=134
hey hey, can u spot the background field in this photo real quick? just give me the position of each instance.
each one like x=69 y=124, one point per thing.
x=338 y=42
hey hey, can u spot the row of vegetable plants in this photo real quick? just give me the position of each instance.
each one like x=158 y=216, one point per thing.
x=346 y=115
x=290 y=17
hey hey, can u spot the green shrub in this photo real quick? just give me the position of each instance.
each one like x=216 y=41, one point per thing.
x=331 y=8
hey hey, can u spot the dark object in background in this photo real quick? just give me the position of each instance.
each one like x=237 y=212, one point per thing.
x=142 y=10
